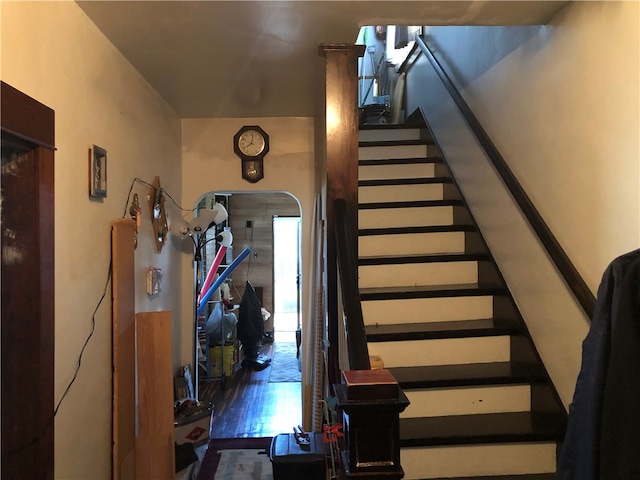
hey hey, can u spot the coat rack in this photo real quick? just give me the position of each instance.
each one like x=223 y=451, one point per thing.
x=196 y=230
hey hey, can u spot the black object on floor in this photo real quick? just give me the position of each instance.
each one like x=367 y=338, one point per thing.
x=259 y=363
x=290 y=460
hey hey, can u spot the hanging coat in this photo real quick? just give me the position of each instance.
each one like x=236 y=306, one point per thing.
x=250 y=324
x=610 y=357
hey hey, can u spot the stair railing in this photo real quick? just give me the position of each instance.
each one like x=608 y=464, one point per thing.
x=353 y=324
x=362 y=395
x=574 y=281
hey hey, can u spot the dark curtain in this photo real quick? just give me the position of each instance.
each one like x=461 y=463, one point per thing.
x=250 y=326
x=604 y=420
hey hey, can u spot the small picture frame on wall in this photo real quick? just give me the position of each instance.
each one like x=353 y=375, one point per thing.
x=97 y=172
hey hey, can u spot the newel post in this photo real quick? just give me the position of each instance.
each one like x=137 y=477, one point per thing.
x=341 y=134
x=371 y=402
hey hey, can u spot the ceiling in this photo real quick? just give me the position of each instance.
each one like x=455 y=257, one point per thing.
x=240 y=58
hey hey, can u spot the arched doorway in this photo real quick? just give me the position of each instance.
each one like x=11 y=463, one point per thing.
x=255 y=221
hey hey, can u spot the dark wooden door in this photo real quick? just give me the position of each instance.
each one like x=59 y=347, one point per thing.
x=27 y=281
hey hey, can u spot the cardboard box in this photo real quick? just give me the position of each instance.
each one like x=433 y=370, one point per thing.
x=194 y=429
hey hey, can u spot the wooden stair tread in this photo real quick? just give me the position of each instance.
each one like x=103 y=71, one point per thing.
x=495 y=373
x=438 y=330
x=400 y=161
x=423 y=258
x=430 y=291
x=415 y=125
x=409 y=230
x=403 y=181
x=411 y=204
x=485 y=428
x=394 y=143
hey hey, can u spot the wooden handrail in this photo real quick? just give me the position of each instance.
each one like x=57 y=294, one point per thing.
x=575 y=282
x=347 y=269
x=341 y=170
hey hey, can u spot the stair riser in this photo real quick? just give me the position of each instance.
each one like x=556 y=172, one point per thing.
x=439 y=414
x=384 y=171
x=389 y=135
x=416 y=310
x=396 y=152
x=405 y=217
x=411 y=244
x=409 y=274
x=400 y=193
x=453 y=351
x=437 y=402
x=477 y=460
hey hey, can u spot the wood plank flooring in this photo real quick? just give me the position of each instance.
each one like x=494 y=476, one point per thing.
x=249 y=406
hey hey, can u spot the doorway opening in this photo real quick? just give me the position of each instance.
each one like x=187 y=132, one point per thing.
x=286 y=278
x=269 y=399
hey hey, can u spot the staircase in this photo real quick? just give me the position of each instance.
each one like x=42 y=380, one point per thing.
x=439 y=315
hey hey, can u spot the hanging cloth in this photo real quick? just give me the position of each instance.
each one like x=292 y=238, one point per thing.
x=604 y=424
x=250 y=326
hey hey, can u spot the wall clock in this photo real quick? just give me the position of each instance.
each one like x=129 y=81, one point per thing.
x=251 y=144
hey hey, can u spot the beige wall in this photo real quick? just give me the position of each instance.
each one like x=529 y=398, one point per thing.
x=52 y=52
x=561 y=103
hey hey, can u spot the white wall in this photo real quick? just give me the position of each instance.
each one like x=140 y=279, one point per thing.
x=209 y=165
x=561 y=103
x=52 y=52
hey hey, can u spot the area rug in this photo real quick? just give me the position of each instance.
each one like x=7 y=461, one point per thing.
x=237 y=459
x=244 y=465
x=284 y=365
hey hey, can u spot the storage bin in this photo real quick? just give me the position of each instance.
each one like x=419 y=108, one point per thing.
x=375 y=114
x=290 y=461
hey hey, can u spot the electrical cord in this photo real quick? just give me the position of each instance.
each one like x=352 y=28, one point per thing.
x=147 y=184
x=86 y=342
x=104 y=291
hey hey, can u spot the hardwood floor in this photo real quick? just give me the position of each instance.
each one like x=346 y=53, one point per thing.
x=249 y=406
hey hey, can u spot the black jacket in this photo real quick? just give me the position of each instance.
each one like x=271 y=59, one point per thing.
x=250 y=323
x=604 y=423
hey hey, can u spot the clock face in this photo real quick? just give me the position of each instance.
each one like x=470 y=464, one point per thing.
x=251 y=143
